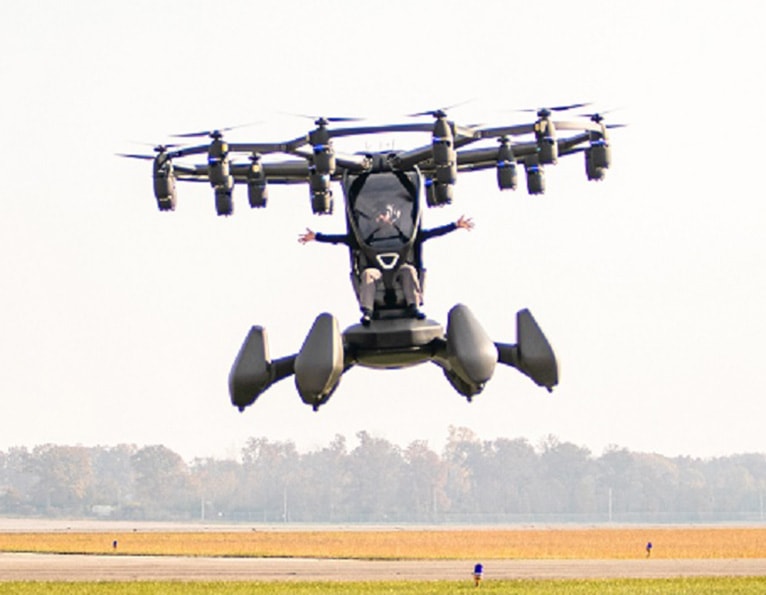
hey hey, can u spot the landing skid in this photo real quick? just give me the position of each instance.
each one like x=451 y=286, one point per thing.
x=464 y=352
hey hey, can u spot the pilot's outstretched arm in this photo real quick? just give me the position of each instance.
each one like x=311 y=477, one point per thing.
x=462 y=223
x=312 y=236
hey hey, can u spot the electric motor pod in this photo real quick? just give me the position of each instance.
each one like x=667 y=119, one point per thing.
x=447 y=174
x=257 y=194
x=324 y=154
x=593 y=172
x=257 y=188
x=218 y=163
x=535 y=179
x=600 y=154
x=324 y=159
x=507 y=177
x=322 y=203
x=442 y=145
x=224 y=205
x=321 y=194
x=165 y=191
x=164 y=182
x=437 y=194
x=547 y=146
x=548 y=150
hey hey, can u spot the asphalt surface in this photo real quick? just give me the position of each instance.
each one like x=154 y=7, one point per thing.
x=54 y=567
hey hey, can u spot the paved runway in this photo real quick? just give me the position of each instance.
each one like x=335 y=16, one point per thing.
x=52 y=567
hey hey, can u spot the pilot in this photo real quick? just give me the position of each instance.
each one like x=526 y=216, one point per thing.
x=407 y=275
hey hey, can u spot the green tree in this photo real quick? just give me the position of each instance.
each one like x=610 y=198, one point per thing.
x=461 y=453
x=64 y=478
x=162 y=480
x=113 y=480
x=325 y=481
x=271 y=472
x=216 y=485
x=375 y=475
x=424 y=479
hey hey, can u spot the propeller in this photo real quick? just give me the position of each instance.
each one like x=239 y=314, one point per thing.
x=159 y=149
x=215 y=133
x=325 y=120
x=136 y=156
x=544 y=112
x=598 y=117
x=439 y=112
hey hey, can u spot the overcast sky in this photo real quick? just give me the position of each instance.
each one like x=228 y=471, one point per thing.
x=119 y=323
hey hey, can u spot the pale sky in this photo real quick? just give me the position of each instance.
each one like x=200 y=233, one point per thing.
x=119 y=323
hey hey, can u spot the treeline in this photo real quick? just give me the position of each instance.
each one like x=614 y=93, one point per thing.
x=471 y=481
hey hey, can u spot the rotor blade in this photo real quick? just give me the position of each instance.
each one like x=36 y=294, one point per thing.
x=328 y=119
x=563 y=108
x=557 y=108
x=212 y=132
x=439 y=111
x=155 y=146
x=198 y=150
x=332 y=119
x=598 y=116
x=134 y=156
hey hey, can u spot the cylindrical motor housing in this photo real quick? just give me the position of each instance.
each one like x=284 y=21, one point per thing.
x=321 y=194
x=535 y=179
x=164 y=186
x=548 y=150
x=324 y=159
x=600 y=154
x=447 y=174
x=507 y=176
x=218 y=164
x=224 y=205
x=164 y=183
x=257 y=188
x=322 y=203
x=257 y=194
x=442 y=143
x=593 y=172
x=438 y=195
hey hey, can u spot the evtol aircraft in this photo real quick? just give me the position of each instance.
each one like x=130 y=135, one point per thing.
x=384 y=194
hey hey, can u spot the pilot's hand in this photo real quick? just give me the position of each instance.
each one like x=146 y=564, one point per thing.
x=464 y=223
x=309 y=236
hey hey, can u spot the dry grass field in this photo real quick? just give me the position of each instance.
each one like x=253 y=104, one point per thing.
x=488 y=544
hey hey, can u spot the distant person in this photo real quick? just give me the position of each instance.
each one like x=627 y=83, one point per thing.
x=478 y=571
x=648 y=549
x=407 y=275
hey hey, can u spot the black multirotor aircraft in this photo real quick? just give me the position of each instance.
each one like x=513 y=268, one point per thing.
x=393 y=181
